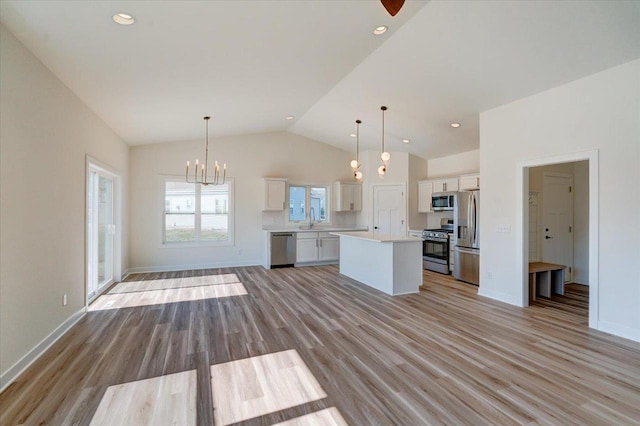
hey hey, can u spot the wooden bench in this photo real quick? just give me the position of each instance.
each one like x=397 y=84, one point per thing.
x=544 y=276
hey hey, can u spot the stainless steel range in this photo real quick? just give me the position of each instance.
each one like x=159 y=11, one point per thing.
x=435 y=247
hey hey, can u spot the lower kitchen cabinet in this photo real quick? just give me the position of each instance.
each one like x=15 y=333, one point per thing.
x=317 y=247
x=329 y=248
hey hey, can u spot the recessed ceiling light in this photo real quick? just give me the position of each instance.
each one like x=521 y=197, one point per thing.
x=380 y=30
x=290 y=117
x=455 y=125
x=124 y=19
x=353 y=135
x=405 y=141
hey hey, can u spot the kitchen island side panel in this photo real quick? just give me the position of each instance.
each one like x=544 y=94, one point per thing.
x=369 y=262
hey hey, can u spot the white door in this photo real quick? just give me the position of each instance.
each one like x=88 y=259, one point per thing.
x=100 y=231
x=557 y=220
x=389 y=210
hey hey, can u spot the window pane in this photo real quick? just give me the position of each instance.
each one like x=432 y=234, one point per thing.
x=319 y=203
x=297 y=197
x=215 y=213
x=180 y=219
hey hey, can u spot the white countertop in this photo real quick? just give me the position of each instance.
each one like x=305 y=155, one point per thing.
x=378 y=238
x=317 y=229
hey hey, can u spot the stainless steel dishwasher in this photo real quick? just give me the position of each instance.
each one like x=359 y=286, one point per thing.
x=283 y=249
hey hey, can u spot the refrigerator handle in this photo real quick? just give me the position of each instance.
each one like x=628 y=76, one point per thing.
x=475 y=220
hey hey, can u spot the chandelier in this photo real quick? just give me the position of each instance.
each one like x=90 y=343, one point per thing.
x=385 y=156
x=201 y=173
x=355 y=165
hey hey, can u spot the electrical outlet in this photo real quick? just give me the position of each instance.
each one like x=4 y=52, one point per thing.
x=64 y=300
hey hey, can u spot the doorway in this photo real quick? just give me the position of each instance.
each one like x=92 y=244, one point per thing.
x=102 y=234
x=389 y=209
x=559 y=213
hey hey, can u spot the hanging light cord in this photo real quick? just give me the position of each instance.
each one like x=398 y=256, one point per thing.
x=383 y=108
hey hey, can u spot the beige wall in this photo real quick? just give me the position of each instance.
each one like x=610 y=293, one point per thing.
x=249 y=158
x=457 y=164
x=46 y=132
x=599 y=112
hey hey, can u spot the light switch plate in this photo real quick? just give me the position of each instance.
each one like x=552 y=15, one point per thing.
x=503 y=229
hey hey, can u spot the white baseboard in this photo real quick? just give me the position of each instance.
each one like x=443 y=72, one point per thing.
x=125 y=274
x=30 y=357
x=167 y=268
x=581 y=280
x=624 y=331
x=500 y=296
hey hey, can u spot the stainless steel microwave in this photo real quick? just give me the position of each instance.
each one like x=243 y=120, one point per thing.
x=442 y=201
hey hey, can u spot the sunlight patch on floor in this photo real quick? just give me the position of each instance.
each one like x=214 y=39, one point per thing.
x=158 y=401
x=173 y=295
x=327 y=417
x=260 y=385
x=167 y=283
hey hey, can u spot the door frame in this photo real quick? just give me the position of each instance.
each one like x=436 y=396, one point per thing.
x=90 y=165
x=571 y=184
x=373 y=202
x=522 y=214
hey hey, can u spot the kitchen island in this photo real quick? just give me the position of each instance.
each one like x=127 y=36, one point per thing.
x=389 y=263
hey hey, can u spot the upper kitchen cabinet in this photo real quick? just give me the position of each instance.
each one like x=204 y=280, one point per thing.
x=425 y=189
x=275 y=191
x=347 y=197
x=445 y=185
x=470 y=182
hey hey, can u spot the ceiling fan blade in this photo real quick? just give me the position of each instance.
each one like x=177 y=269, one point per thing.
x=392 y=6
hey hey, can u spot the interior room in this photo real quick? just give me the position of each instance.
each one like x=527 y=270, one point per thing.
x=329 y=212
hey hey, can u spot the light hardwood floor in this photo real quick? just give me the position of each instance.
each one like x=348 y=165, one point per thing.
x=443 y=356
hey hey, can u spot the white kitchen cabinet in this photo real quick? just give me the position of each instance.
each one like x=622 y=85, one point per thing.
x=445 y=185
x=275 y=192
x=425 y=189
x=469 y=182
x=347 y=197
x=306 y=247
x=329 y=247
x=317 y=247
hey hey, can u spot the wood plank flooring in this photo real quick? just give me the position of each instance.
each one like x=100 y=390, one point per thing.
x=443 y=356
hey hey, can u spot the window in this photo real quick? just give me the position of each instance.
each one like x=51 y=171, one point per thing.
x=197 y=213
x=313 y=196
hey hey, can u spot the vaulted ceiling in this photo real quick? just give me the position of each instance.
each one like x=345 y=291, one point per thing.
x=250 y=64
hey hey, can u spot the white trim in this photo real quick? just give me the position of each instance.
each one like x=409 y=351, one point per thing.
x=522 y=227
x=183 y=267
x=38 y=350
x=630 y=333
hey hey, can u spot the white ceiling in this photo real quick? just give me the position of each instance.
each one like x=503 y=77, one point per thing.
x=249 y=64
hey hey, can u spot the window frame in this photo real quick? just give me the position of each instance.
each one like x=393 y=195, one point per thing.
x=230 y=241
x=307 y=202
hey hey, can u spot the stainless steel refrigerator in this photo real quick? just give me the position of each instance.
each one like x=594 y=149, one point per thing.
x=466 y=221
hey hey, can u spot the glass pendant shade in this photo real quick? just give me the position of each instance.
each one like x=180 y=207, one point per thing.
x=385 y=156
x=354 y=164
x=382 y=170
x=358 y=175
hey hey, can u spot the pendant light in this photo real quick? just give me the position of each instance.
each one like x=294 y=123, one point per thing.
x=355 y=164
x=203 y=177
x=385 y=156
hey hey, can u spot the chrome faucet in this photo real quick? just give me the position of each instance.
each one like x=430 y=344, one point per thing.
x=312 y=217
